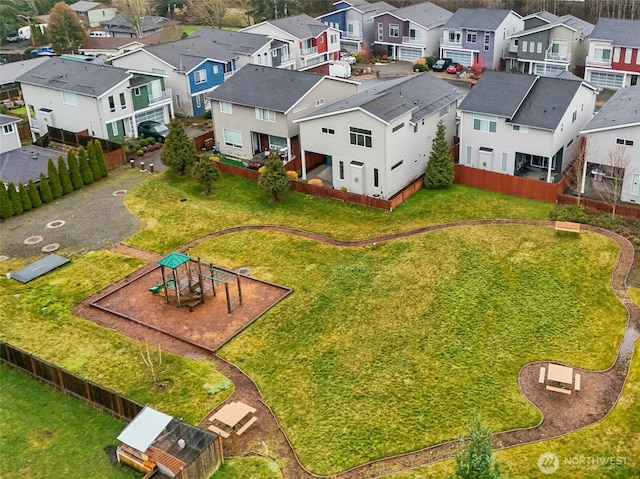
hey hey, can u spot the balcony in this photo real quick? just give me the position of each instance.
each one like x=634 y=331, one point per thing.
x=308 y=62
x=165 y=95
x=415 y=41
x=598 y=62
x=309 y=51
x=350 y=36
x=446 y=42
x=556 y=56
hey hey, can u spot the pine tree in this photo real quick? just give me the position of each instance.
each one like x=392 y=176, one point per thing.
x=206 y=172
x=6 y=209
x=100 y=157
x=93 y=161
x=14 y=197
x=476 y=461
x=24 y=197
x=274 y=179
x=54 y=180
x=65 y=179
x=440 y=169
x=34 y=194
x=74 y=170
x=178 y=152
x=45 y=190
x=85 y=169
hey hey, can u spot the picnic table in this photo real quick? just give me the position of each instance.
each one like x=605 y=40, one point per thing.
x=561 y=375
x=231 y=415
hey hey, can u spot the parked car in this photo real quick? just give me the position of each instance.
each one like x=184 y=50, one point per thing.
x=345 y=57
x=454 y=68
x=43 y=51
x=13 y=37
x=99 y=34
x=153 y=129
x=442 y=64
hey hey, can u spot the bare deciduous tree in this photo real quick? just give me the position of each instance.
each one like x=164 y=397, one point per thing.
x=584 y=147
x=134 y=12
x=152 y=363
x=208 y=12
x=618 y=160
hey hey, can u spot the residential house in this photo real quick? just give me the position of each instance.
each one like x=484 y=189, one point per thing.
x=10 y=138
x=251 y=47
x=311 y=43
x=479 y=36
x=612 y=150
x=614 y=53
x=254 y=111
x=354 y=19
x=411 y=32
x=192 y=67
x=10 y=93
x=548 y=45
x=119 y=26
x=92 y=13
x=105 y=101
x=112 y=46
x=378 y=141
x=524 y=125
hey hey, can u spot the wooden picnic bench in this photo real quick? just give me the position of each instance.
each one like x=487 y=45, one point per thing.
x=577 y=384
x=246 y=426
x=559 y=390
x=543 y=372
x=568 y=226
x=218 y=431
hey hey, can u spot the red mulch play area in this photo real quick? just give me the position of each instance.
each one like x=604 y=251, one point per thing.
x=207 y=325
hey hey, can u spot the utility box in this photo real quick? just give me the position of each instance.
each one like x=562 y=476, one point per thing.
x=339 y=69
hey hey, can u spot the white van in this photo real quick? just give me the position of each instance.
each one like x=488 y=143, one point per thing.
x=99 y=34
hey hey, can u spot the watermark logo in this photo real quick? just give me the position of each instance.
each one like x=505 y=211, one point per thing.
x=548 y=463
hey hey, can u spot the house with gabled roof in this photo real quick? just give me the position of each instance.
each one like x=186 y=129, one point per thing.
x=411 y=32
x=119 y=26
x=548 y=44
x=354 y=20
x=524 y=125
x=105 y=101
x=254 y=111
x=613 y=143
x=378 y=141
x=311 y=43
x=9 y=134
x=192 y=67
x=613 y=60
x=479 y=36
x=92 y=13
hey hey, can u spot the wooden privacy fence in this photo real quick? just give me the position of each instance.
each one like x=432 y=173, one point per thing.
x=629 y=212
x=204 y=141
x=79 y=387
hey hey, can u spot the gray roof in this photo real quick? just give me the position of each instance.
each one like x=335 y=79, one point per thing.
x=10 y=71
x=529 y=100
x=188 y=53
x=487 y=19
x=426 y=14
x=300 y=26
x=585 y=28
x=241 y=43
x=26 y=163
x=544 y=15
x=84 y=78
x=265 y=87
x=421 y=94
x=622 y=33
x=7 y=119
x=122 y=25
x=375 y=7
x=622 y=109
x=83 y=6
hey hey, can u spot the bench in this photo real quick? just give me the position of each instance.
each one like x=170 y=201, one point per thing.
x=218 y=431
x=568 y=226
x=246 y=426
x=559 y=390
x=542 y=374
x=577 y=385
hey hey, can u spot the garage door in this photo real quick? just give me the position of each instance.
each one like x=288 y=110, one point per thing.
x=463 y=58
x=409 y=54
x=607 y=80
x=550 y=70
x=153 y=115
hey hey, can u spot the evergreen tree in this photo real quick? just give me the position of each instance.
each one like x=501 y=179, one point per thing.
x=65 y=178
x=45 y=189
x=85 y=169
x=440 y=169
x=34 y=194
x=476 y=461
x=100 y=158
x=24 y=197
x=93 y=161
x=274 y=179
x=179 y=152
x=74 y=170
x=64 y=29
x=206 y=172
x=6 y=209
x=54 y=180
x=14 y=197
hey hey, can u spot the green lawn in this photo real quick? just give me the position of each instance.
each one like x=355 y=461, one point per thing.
x=255 y=467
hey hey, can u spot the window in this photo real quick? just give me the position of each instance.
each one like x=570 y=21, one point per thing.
x=484 y=123
x=627 y=55
x=621 y=141
x=277 y=142
x=274 y=53
x=376 y=181
x=380 y=31
x=468 y=156
x=520 y=128
x=360 y=137
x=216 y=69
x=602 y=55
x=333 y=38
x=524 y=46
x=7 y=128
x=398 y=126
x=341 y=168
x=638 y=57
x=532 y=45
x=444 y=110
x=200 y=76
x=415 y=34
x=114 y=128
x=266 y=115
x=539 y=47
x=319 y=102
x=455 y=36
x=487 y=42
x=328 y=131
x=225 y=107
x=616 y=54
x=198 y=101
x=398 y=164
x=232 y=138
x=394 y=30
x=574 y=117
x=69 y=98
x=472 y=37
x=635 y=181
x=136 y=91
x=123 y=101
x=570 y=143
x=505 y=161
x=112 y=104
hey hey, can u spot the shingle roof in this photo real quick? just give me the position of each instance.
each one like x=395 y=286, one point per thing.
x=622 y=109
x=25 y=163
x=83 y=6
x=498 y=93
x=487 y=19
x=78 y=77
x=188 y=53
x=265 y=87
x=421 y=94
x=426 y=14
x=300 y=26
x=375 y=6
x=544 y=15
x=7 y=119
x=122 y=25
x=570 y=21
x=243 y=43
x=10 y=71
x=623 y=33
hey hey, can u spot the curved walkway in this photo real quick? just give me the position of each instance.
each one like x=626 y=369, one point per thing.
x=599 y=395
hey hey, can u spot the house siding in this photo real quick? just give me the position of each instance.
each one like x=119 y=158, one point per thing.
x=100 y=15
x=10 y=141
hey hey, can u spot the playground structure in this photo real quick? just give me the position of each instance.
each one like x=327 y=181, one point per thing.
x=188 y=287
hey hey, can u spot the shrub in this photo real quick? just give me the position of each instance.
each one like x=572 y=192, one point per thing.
x=292 y=175
x=140 y=152
x=45 y=190
x=343 y=188
x=430 y=61
x=207 y=115
x=6 y=209
x=262 y=169
x=420 y=67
